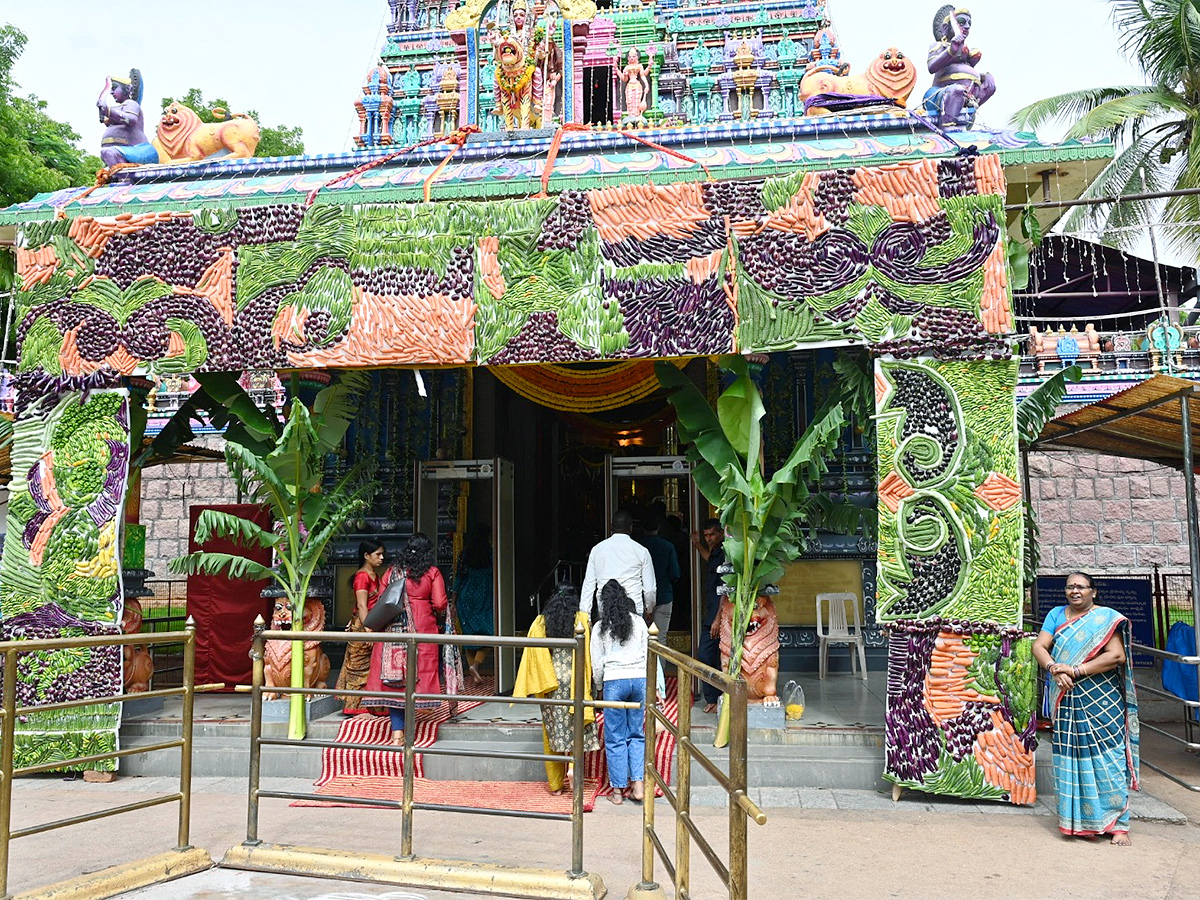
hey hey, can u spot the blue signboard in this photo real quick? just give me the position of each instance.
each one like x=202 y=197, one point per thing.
x=1131 y=597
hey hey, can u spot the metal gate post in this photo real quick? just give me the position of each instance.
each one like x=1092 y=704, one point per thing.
x=8 y=732
x=683 y=786
x=185 y=752
x=577 y=762
x=410 y=727
x=738 y=878
x=256 y=691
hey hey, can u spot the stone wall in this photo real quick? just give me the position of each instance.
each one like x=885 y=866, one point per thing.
x=167 y=493
x=1108 y=515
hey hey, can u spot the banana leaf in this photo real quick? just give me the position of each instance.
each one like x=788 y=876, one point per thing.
x=206 y=563
x=1039 y=407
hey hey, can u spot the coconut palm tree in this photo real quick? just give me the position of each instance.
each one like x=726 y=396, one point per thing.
x=1153 y=125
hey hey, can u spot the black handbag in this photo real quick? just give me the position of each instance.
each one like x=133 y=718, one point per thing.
x=390 y=605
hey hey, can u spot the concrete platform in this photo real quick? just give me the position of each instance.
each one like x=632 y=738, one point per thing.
x=838 y=742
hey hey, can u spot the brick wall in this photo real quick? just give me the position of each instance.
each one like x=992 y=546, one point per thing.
x=1108 y=515
x=167 y=493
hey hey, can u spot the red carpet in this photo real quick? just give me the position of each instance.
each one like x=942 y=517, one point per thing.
x=371 y=729
x=377 y=775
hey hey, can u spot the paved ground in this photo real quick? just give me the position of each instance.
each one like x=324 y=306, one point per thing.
x=833 y=844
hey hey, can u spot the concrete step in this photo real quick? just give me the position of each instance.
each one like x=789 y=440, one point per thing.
x=780 y=766
x=223 y=758
x=463 y=768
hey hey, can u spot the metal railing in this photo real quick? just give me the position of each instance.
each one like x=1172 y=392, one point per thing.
x=1191 y=709
x=11 y=712
x=733 y=875
x=408 y=805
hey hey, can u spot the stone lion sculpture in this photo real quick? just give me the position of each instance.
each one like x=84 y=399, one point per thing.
x=182 y=137
x=891 y=74
x=277 y=656
x=138 y=664
x=760 y=649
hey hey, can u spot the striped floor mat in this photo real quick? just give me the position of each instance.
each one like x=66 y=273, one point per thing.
x=377 y=774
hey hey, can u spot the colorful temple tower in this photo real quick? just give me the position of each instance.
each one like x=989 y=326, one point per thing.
x=513 y=66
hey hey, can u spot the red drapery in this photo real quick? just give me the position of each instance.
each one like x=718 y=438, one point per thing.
x=224 y=608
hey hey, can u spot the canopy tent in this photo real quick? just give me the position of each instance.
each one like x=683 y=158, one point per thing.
x=1147 y=421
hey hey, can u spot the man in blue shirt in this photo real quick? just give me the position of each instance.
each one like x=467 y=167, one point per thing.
x=666 y=572
x=710 y=544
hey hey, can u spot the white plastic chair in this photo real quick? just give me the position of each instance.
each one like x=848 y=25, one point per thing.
x=837 y=631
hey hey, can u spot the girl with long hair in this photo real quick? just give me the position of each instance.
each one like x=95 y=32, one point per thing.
x=619 y=648
x=549 y=673
x=425 y=599
x=356 y=665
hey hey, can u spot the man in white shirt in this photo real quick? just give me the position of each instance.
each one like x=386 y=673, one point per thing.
x=622 y=558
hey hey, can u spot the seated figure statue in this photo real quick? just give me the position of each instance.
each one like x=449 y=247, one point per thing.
x=959 y=89
x=124 y=139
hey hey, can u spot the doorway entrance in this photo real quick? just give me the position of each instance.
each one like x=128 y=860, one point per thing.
x=597 y=95
x=641 y=483
x=497 y=474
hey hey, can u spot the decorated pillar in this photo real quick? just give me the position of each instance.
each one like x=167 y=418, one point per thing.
x=961 y=701
x=60 y=574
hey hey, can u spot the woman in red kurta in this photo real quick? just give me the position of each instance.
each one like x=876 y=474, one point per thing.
x=426 y=592
x=356 y=665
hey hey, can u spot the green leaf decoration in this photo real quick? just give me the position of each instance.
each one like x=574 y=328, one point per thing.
x=1039 y=407
x=207 y=563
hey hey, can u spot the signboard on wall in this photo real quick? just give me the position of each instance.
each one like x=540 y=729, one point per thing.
x=1132 y=597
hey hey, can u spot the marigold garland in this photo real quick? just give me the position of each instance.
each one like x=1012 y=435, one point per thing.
x=571 y=389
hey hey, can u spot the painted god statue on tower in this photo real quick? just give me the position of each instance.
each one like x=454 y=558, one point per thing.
x=637 y=86
x=124 y=139
x=959 y=89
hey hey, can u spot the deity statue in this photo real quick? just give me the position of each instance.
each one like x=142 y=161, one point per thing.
x=514 y=84
x=760 y=649
x=959 y=89
x=547 y=73
x=124 y=139
x=277 y=656
x=637 y=86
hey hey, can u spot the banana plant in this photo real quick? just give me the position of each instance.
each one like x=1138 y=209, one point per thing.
x=288 y=478
x=765 y=520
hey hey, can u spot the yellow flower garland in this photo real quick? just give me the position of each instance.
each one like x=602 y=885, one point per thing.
x=571 y=389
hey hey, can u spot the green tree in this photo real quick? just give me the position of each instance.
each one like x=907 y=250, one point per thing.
x=1154 y=125
x=277 y=141
x=37 y=153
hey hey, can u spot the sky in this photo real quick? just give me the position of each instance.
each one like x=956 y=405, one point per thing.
x=303 y=62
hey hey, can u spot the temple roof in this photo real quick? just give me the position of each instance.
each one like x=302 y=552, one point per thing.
x=487 y=168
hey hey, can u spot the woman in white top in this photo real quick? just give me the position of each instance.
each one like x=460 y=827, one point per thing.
x=619 y=664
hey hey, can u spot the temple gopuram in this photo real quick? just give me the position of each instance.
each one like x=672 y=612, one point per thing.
x=543 y=200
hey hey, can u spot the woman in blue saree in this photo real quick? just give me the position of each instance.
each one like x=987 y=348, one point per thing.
x=1085 y=647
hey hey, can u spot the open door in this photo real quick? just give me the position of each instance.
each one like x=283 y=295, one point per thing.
x=623 y=468
x=499 y=474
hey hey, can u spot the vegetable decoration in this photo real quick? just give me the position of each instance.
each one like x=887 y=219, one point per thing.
x=906 y=256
